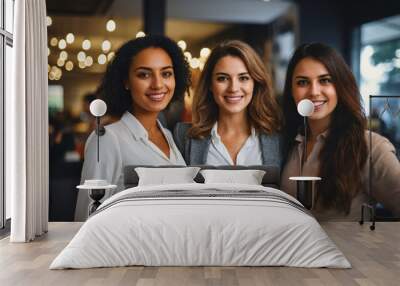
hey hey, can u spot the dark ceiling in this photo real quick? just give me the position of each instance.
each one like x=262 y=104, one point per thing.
x=221 y=11
x=78 y=7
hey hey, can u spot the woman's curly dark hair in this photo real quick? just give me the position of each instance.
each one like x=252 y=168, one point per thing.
x=112 y=88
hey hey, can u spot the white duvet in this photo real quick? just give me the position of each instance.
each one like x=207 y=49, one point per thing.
x=238 y=228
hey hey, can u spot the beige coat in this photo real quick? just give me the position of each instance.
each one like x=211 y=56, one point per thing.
x=385 y=177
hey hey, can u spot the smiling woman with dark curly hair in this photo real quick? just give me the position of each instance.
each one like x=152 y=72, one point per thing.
x=145 y=76
x=114 y=89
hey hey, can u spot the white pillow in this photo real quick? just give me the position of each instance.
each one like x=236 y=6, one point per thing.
x=163 y=176
x=248 y=177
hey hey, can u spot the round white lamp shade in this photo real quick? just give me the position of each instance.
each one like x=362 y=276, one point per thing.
x=305 y=107
x=98 y=107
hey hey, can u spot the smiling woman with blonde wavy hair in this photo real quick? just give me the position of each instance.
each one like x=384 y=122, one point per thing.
x=236 y=118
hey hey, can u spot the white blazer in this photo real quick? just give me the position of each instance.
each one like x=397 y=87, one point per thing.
x=125 y=142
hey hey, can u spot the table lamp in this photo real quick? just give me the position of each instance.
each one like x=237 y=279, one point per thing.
x=305 y=185
x=98 y=108
x=305 y=108
x=97 y=187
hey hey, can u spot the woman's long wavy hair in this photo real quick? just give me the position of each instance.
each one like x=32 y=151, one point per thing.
x=112 y=88
x=345 y=152
x=263 y=111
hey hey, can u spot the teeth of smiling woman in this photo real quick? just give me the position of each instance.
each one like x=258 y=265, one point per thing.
x=157 y=96
x=233 y=99
x=319 y=103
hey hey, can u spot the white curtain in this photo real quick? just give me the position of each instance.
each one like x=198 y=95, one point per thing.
x=27 y=124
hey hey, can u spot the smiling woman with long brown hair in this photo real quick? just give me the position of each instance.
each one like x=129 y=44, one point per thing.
x=337 y=147
x=236 y=118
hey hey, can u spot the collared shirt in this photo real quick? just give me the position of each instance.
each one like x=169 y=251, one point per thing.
x=385 y=174
x=125 y=142
x=311 y=164
x=249 y=154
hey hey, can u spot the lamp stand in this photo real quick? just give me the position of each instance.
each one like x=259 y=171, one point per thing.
x=304 y=155
x=96 y=195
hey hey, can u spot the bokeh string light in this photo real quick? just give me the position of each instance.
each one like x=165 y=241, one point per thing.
x=68 y=59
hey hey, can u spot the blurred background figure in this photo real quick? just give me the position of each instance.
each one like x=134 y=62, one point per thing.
x=85 y=115
x=64 y=166
x=62 y=146
x=86 y=123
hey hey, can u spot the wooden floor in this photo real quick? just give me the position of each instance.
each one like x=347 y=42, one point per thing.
x=374 y=255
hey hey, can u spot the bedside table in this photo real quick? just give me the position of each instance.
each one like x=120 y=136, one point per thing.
x=97 y=190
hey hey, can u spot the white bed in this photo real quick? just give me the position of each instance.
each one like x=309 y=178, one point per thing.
x=201 y=224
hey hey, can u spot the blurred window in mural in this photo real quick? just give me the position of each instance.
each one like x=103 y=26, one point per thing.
x=380 y=58
x=385 y=118
x=380 y=75
x=56 y=99
x=284 y=46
